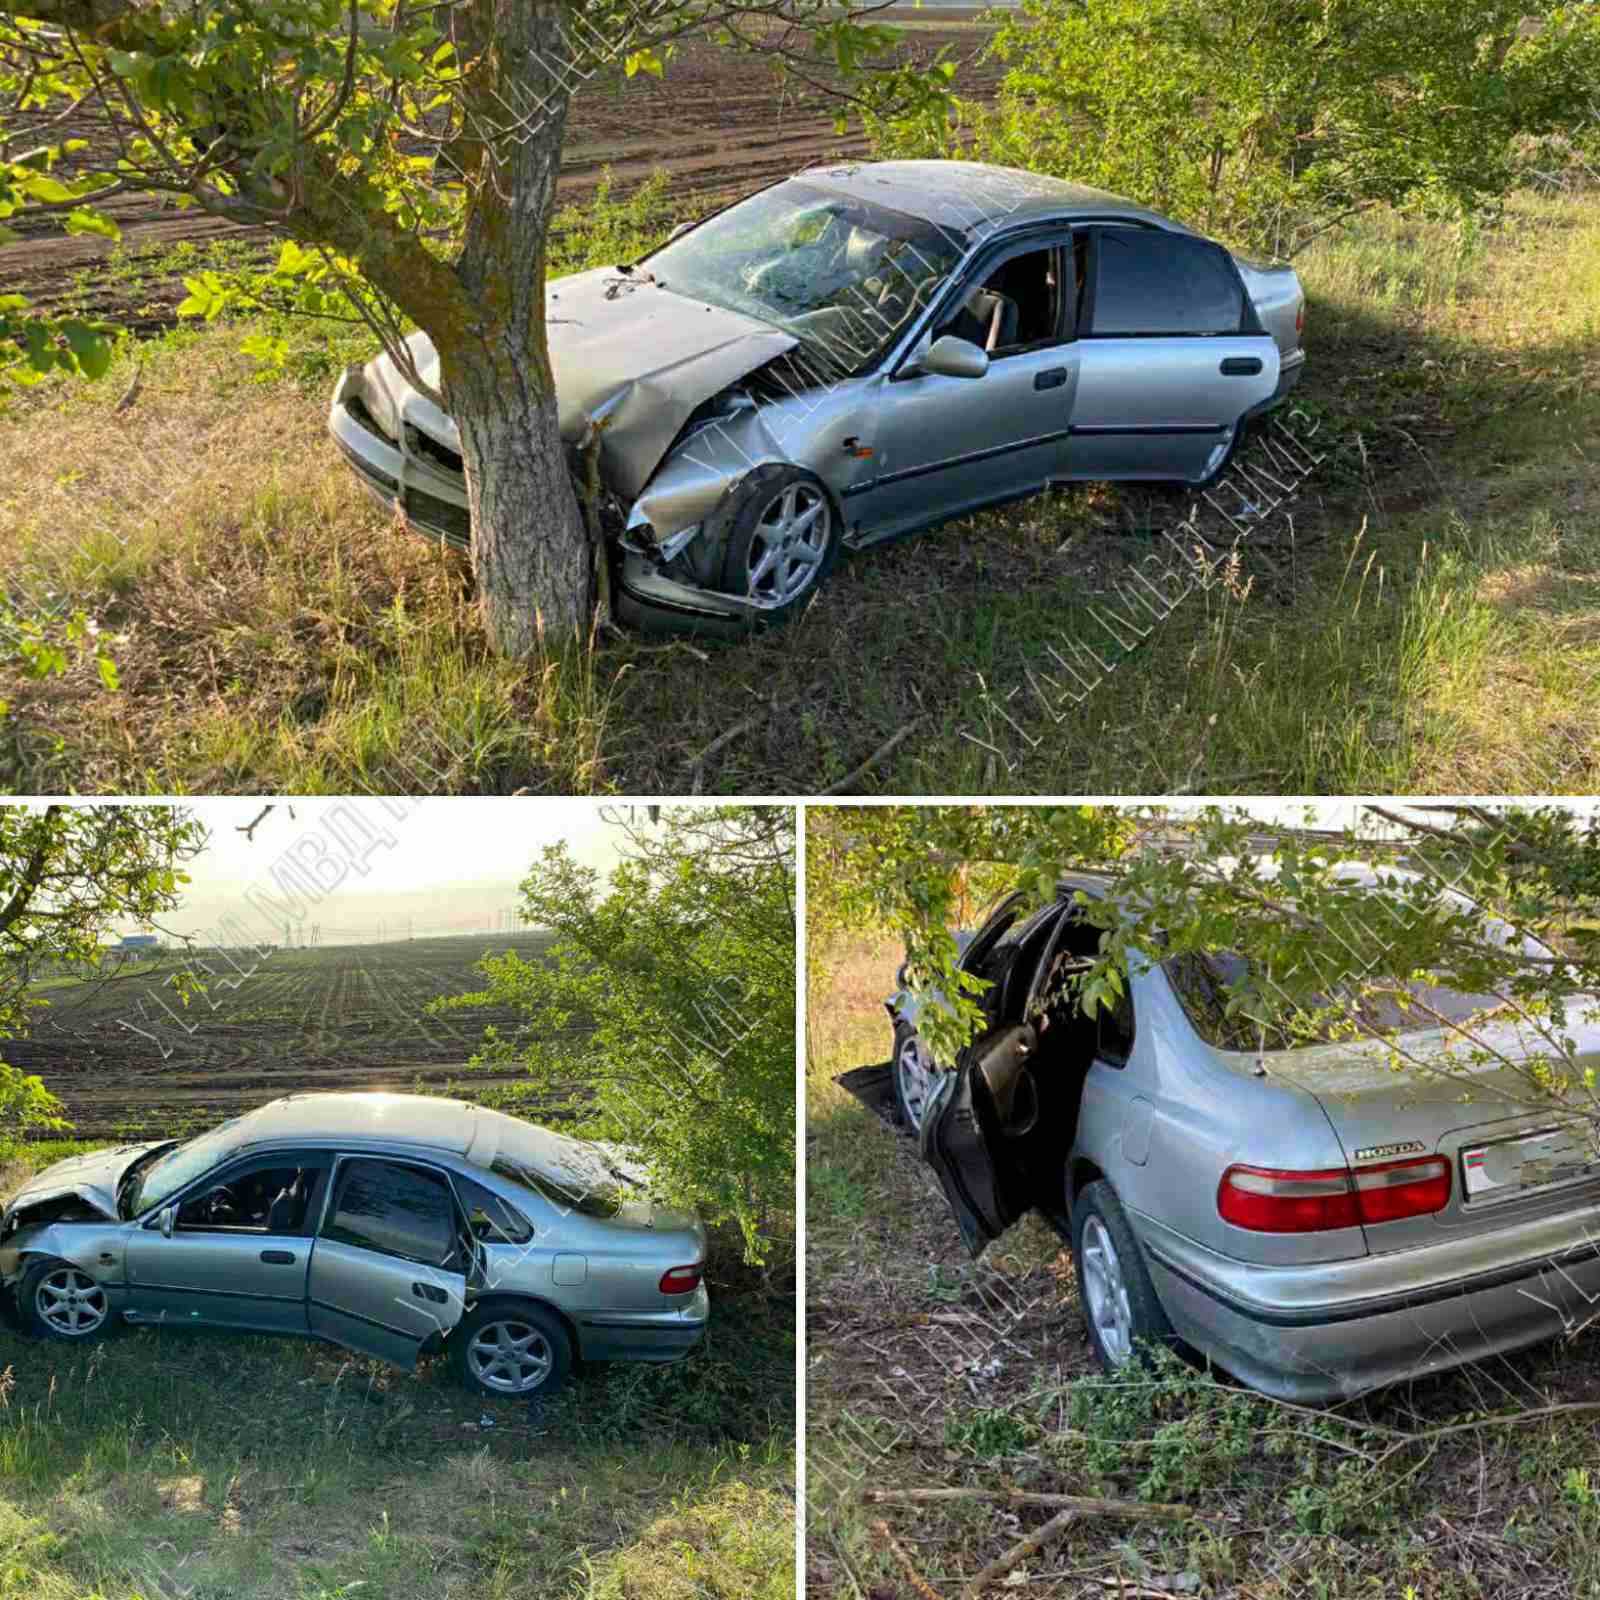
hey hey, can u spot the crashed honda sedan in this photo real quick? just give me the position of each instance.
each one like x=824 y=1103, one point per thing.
x=854 y=354
x=1296 y=1213
x=397 y=1226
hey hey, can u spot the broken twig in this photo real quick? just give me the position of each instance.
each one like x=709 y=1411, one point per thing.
x=697 y=767
x=1023 y=1548
x=877 y=755
x=898 y=1550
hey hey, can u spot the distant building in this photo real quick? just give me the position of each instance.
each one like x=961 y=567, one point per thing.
x=139 y=941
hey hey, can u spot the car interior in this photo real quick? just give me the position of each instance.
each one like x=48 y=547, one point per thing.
x=270 y=1200
x=1014 y=308
x=1030 y=1063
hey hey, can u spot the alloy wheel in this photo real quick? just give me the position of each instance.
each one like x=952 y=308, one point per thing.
x=1105 y=1293
x=788 y=543
x=510 y=1357
x=70 y=1302
x=914 y=1074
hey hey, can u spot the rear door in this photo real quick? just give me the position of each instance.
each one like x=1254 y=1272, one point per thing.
x=964 y=1134
x=1171 y=355
x=389 y=1270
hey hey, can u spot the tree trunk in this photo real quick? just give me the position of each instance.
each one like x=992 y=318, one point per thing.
x=531 y=553
x=530 y=548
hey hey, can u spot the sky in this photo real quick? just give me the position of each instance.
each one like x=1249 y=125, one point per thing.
x=360 y=869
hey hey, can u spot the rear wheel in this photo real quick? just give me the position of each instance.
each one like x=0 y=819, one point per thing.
x=1119 y=1301
x=511 y=1350
x=57 y=1300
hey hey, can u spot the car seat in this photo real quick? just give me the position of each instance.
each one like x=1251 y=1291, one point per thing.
x=284 y=1214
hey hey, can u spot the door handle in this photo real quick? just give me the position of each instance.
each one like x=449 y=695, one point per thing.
x=278 y=1258
x=426 y=1291
x=1051 y=378
x=1240 y=366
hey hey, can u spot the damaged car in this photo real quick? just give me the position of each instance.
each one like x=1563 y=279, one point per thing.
x=857 y=353
x=1289 y=1209
x=398 y=1226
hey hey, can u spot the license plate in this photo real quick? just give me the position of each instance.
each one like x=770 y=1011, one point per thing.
x=1539 y=1160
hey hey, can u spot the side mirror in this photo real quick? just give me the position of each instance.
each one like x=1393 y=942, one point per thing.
x=950 y=357
x=168 y=1220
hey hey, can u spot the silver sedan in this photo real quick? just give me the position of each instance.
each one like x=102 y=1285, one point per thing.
x=854 y=354
x=1298 y=1213
x=395 y=1225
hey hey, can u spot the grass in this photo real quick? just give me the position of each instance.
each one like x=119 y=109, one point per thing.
x=928 y=1370
x=198 y=1466
x=1429 y=623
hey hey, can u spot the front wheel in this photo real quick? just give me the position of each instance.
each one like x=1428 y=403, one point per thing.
x=914 y=1074
x=57 y=1300
x=1119 y=1301
x=511 y=1351
x=782 y=541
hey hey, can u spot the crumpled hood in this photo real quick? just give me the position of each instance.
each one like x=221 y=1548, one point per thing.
x=638 y=363
x=92 y=1177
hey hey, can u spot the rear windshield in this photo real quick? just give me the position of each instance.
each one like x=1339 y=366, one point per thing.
x=1206 y=984
x=572 y=1174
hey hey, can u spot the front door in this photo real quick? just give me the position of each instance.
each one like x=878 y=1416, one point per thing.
x=1170 y=356
x=389 y=1269
x=946 y=445
x=240 y=1247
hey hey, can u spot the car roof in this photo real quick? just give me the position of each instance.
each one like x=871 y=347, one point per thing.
x=974 y=198
x=422 y=1120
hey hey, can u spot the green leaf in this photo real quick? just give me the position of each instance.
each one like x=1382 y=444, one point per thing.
x=87 y=221
x=90 y=346
x=107 y=669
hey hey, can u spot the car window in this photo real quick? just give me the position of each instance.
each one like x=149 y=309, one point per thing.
x=183 y=1164
x=1205 y=985
x=492 y=1219
x=396 y=1210
x=571 y=1174
x=1152 y=282
x=260 y=1198
x=843 y=275
x=1115 y=1025
x=1013 y=307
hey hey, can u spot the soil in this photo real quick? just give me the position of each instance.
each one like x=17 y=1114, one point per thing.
x=125 y=1057
x=719 y=124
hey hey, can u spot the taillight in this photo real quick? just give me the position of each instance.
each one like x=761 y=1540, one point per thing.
x=1270 y=1200
x=680 y=1280
x=1300 y=321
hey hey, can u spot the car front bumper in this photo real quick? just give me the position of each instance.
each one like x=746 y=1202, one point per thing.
x=1337 y=1329
x=644 y=1335
x=435 y=504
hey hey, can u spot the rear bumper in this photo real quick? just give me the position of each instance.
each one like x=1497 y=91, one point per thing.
x=1342 y=1328
x=644 y=1335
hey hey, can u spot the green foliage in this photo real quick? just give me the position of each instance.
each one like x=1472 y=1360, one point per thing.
x=1267 y=120
x=681 y=965
x=67 y=875
x=1324 y=953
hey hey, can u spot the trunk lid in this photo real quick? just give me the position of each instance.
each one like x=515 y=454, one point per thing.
x=1530 y=1155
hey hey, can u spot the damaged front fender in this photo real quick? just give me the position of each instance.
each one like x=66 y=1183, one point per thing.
x=61 y=1231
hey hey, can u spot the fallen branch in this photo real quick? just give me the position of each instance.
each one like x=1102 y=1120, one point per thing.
x=877 y=755
x=1023 y=1548
x=898 y=1550
x=697 y=766
x=1087 y=1505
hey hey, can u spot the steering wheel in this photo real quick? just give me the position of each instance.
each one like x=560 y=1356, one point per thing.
x=220 y=1206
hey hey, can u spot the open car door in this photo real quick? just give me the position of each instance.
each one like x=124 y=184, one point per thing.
x=990 y=1099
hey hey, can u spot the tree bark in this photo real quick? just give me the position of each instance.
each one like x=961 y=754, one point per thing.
x=530 y=548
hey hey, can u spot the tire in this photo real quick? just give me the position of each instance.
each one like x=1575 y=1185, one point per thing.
x=1241 y=431
x=752 y=524
x=541 y=1331
x=59 y=1301
x=907 y=1101
x=1124 y=1317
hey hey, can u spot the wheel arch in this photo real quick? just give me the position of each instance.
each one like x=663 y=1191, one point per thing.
x=509 y=1298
